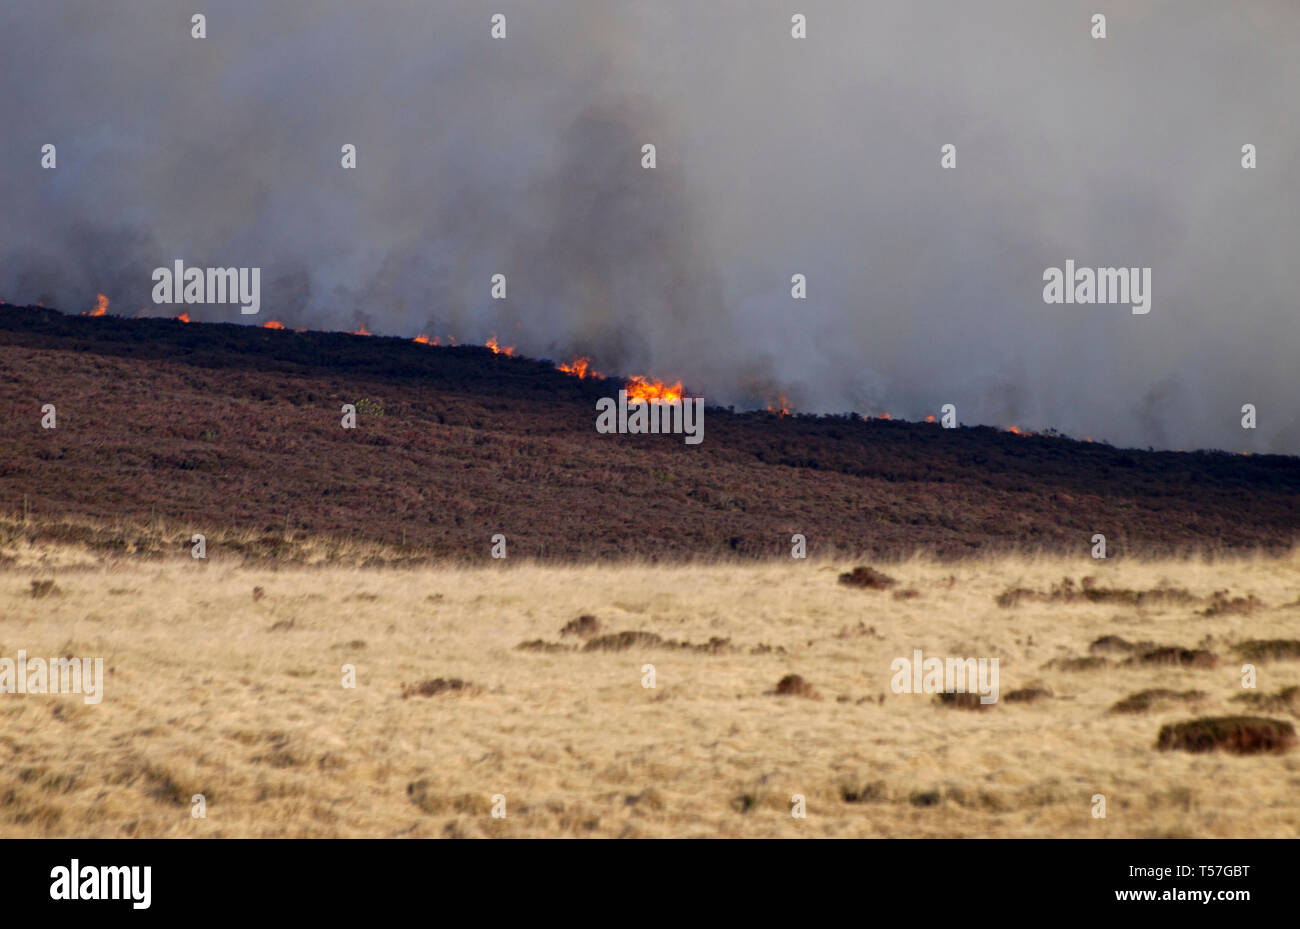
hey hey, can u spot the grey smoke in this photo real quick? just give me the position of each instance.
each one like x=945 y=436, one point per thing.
x=776 y=156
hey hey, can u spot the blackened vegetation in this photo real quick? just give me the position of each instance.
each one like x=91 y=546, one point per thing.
x=240 y=427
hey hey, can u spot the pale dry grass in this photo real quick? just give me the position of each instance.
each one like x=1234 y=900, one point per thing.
x=207 y=694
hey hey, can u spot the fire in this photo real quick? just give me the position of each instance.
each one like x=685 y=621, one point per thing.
x=272 y=324
x=640 y=389
x=101 y=305
x=424 y=340
x=580 y=368
x=930 y=418
x=1014 y=430
x=780 y=406
x=184 y=317
x=360 y=331
x=492 y=344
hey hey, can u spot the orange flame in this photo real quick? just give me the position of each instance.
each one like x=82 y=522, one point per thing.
x=360 y=331
x=780 y=406
x=492 y=344
x=184 y=317
x=930 y=418
x=101 y=305
x=640 y=389
x=424 y=340
x=580 y=368
x=272 y=324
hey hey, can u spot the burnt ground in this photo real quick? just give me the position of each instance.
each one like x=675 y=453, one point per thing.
x=221 y=425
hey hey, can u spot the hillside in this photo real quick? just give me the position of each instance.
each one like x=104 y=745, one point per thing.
x=226 y=428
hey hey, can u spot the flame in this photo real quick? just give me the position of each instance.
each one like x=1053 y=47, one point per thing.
x=580 y=368
x=101 y=305
x=492 y=344
x=640 y=389
x=424 y=340
x=930 y=418
x=780 y=406
x=360 y=331
x=184 y=317
x=272 y=324
x=1015 y=430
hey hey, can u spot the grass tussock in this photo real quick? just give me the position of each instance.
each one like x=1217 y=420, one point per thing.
x=1241 y=735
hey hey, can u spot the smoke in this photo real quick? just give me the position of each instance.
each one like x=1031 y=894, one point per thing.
x=776 y=157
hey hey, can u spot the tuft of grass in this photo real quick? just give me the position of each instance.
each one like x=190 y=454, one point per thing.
x=44 y=588
x=1175 y=656
x=793 y=685
x=1143 y=700
x=436 y=686
x=1269 y=649
x=1241 y=735
x=867 y=578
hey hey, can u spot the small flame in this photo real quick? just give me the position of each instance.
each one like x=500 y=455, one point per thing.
x=884 y=416
x=496 y=350
x=1015 y=430
x=184 y=317
x=360 y=331
x=101 y=305
x=272 y=324
x=580 y=368
x=930 y=418
x=640 y=389
x=780 y=406
x=424 y=340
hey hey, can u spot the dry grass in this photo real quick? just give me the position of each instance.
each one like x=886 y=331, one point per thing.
x=212 y=691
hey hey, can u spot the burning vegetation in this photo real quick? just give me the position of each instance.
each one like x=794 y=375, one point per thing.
x=640 y=389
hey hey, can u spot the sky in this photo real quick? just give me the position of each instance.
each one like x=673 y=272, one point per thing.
x=776 y=156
